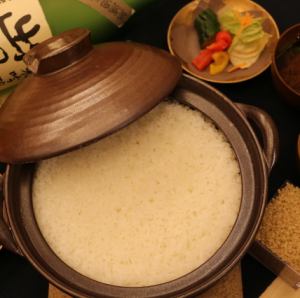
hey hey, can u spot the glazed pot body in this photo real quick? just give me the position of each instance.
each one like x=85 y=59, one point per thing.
x=254 y=162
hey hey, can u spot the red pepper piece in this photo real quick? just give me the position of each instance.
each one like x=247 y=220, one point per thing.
x=224 y=35
x=218 y=46
x=203 y=59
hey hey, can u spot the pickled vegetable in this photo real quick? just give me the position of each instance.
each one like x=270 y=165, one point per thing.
x=221 y=60
x=249 y=37
x=207 y=26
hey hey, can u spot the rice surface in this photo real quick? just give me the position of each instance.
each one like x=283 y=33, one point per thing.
x=143 y=206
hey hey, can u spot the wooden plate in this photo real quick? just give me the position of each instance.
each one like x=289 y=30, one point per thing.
x=183 y=39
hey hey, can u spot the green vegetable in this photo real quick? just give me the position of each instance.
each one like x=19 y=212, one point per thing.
x=252 y=32
x=250 y=39
x=207 y=26
x=248 y=27
x=229 y=20
x=245 y=54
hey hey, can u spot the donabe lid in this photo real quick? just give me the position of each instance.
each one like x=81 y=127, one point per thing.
x=78 y=94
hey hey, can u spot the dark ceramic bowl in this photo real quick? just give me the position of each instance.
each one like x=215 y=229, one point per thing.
x=288 y=37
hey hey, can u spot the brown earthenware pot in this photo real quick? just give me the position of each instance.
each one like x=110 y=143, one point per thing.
x=19 y=230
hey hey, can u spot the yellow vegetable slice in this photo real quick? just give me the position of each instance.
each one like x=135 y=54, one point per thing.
x=221 y=60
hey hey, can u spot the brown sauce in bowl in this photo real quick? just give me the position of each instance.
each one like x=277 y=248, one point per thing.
x=289 y=64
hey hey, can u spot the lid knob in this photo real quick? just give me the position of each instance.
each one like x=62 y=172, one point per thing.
x=59 y=51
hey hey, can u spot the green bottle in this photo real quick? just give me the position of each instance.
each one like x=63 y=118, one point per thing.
x=23 y=24
x=67 y=14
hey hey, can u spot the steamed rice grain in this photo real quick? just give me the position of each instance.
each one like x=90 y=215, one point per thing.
x=145 y=205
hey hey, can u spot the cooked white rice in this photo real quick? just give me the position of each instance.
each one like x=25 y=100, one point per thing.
x=144 y=206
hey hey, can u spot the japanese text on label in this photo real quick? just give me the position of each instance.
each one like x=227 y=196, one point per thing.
x=22 y=26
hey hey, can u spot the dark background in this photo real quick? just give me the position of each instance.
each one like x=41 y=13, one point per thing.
x=19 y=280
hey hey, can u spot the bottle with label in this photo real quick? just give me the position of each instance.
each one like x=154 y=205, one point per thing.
x=23 y=24
x=63 y=15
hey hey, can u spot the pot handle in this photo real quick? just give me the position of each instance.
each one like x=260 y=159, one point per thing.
x=269 y=132
x=6 y=238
